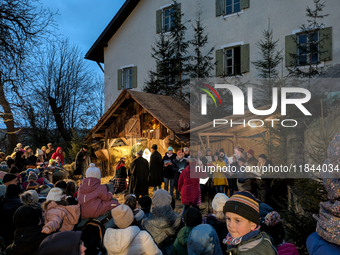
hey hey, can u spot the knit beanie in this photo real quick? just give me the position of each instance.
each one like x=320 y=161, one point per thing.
x=10 y=162
x=145 y=201
x=8 y=178
x=32 y=176
x=93 y=171
x=161 y=197
x=170 y=148
x=66 y=242
x=29 y=197
x=192 y=217
x=32 y=185
x=250 y=151
x=122 y=216
x=44 y=189
x=54 y=194
x=26 y=216
x=244 y=204
x=219 y=201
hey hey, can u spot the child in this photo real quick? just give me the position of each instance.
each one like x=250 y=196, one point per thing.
x=130 y=200
x=145 y=203
x=219 y=178
x=93 y=197
x=273 y=226
x=58 y=214
x=59 y=164
x=192 y=218
x=243 y=220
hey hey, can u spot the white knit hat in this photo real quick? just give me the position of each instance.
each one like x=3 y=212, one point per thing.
x=219 y=201
x=93 y=171
x=54 y=194
x=39 y=152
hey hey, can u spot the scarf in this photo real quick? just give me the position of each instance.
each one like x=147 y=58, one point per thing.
x=229 y=241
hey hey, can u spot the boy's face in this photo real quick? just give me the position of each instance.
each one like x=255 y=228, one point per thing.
x=237 y=225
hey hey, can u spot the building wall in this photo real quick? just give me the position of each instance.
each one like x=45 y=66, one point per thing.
x=131 y=45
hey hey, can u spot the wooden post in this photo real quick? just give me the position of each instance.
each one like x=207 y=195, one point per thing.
x=235 y=140
x=106 y=146
x=202 y=142
x=208 y=141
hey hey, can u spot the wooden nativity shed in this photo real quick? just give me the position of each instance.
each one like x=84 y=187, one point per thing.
x=138 y=116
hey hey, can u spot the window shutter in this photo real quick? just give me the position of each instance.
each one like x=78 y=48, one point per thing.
x=119 y=79
x=134 y=77
x=179 y=6
x=290 y=48
x=325 y=37
x=244 y=4
x=219 y=7
x=245 y=58
x=159 y=21
x=219 y=62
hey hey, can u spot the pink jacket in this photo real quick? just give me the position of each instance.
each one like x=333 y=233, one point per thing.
x=287 y=249
x=94 y=198
x=62 y=218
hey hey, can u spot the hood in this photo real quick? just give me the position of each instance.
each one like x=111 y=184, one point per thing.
x=58 y=149
x=88 y=185
x=163 y=217
x=72 y=212
x=116 y=241
x=203 y=240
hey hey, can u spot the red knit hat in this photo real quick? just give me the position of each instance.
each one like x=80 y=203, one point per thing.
x=250 y=151
x=178 y=152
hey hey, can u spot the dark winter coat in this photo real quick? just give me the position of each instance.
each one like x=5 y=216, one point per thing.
x=189 y=188
x=9 y=205
x=67 y=242
x=82 y=164
x=156 y=169
x=121 y=172
x=180 y=244
x=162 y=221
x=26 y=241
x=49 y=153
x=177 y=167
x=139 y=172
x=167 y=171
x=220 y=228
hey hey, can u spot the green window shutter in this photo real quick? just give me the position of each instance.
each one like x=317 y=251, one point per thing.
x=325 y=37
x=245 y=58
x=159 y=21
x=179 y=6
x=244 y=4
x=219 y=62
x=220 y=7
x=119 y=79
x=134 y=77
x=290 y=48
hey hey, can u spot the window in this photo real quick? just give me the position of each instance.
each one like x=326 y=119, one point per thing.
x=165 y=18
x=305 y=48
x=232 y=61
x=232 y=6
x=308 y=48
x=227 y=7
x=168 y=20
x=127 y=78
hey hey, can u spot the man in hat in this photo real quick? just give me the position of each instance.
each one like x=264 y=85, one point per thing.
x=156 y=168
x=10 y=179
x=49 y=151
x=137 y=147
x=139 y=172
x=82 y=161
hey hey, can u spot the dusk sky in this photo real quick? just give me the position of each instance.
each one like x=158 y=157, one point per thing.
x=82 y=21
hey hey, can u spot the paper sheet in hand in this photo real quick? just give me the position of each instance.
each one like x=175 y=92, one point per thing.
x=204 y=180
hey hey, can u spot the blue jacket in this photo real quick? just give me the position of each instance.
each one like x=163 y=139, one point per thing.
x=316 y=245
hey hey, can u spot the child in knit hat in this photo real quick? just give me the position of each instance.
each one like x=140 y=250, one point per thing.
x=243 y=220
x=130 y=200
x=59 y=216
x=274 y=227
x=93 y=197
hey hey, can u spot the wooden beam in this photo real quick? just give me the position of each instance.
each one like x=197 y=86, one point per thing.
x=202 y=143
x=208 y=142
x=101 y=135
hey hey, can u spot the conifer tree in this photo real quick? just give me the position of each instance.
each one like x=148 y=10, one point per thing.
x=201 y=65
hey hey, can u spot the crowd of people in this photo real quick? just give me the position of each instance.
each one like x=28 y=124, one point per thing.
x=40 y=216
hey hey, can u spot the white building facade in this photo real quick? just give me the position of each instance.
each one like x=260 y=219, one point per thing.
x=233 y=27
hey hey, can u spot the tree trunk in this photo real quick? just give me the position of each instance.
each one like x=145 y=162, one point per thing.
x=58 y=119
x=8 y=118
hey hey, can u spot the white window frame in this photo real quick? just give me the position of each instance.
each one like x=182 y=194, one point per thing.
x=307 y=55
x=163 y=8
x=225 y=66
x=124 y=77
